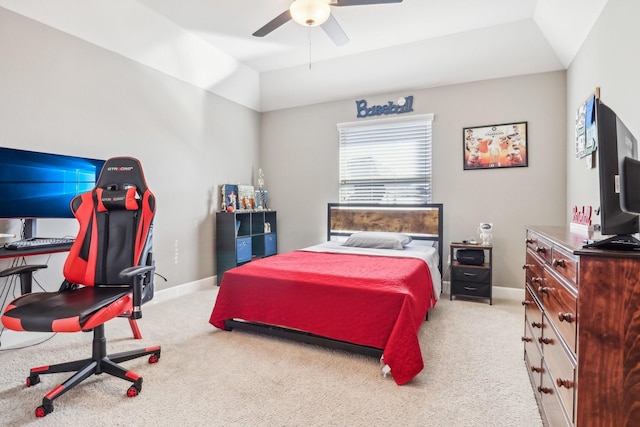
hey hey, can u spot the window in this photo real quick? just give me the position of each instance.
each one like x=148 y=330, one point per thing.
x=386 y=161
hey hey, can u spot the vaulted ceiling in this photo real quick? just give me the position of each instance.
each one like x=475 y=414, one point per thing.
x=392 y=47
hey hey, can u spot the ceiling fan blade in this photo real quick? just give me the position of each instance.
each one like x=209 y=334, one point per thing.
x=335 y=31
x=275 y=23
x=361 y=2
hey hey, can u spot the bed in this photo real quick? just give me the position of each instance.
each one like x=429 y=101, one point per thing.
x=344 y=293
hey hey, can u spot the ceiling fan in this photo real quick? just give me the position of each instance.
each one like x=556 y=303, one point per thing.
x=311 y=13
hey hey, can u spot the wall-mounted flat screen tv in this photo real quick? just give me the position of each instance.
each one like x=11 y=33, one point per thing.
x=41 y=185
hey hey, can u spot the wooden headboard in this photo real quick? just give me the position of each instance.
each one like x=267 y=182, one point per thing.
x=421 y=222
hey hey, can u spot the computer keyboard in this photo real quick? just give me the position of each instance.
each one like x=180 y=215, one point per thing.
x=38 y=243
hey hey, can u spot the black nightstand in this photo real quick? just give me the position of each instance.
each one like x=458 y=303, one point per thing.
x=472 y=281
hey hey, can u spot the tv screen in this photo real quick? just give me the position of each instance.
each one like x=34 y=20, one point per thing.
x=615 y=143
x=41 y=185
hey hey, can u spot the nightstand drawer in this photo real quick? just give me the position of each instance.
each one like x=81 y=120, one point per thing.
x=471 y=289
x=470 y=274
x=243 y=249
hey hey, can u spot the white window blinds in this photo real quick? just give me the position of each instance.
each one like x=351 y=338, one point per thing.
x=386 y=161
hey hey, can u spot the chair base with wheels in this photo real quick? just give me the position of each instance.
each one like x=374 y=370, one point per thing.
x=99 y=362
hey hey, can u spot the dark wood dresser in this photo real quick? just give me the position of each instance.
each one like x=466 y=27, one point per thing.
x=582 y=330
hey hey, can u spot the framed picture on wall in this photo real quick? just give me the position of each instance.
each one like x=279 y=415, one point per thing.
x=495 y=146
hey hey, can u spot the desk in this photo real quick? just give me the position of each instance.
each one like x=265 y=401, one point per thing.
x=11 y=253
x=26 y=277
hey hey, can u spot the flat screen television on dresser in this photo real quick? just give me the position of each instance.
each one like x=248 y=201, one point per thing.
x=619 y=177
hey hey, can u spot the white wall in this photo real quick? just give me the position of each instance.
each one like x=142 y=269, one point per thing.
x=609 y=59
x=64 y=95
x=300 y=160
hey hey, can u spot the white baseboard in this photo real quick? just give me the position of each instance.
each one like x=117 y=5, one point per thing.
x=185 y=288
x=513 y=294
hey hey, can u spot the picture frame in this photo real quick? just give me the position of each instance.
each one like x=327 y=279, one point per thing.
x=495 y=146
x=229 y=194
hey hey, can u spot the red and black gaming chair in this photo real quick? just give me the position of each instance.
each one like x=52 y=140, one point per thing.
x=109 y=273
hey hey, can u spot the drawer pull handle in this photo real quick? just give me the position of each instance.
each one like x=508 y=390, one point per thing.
x=545 y=390
x=468 y=288
x=559 y=263
x=536 y=369
x=527 y=266
x=544 y=289
x=537 y=280
x=529 y=241
x=564 y=383
x=469 y=274
x=541 y=249
x=542 y=340
x=526 y=302
x=567 y=317
x=536 y=325
x=526 y=339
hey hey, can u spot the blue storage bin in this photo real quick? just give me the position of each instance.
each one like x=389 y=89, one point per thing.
x=243 y=249
x=270 y=247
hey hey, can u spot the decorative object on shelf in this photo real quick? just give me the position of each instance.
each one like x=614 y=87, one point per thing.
x=229 y=194
x=267 y=227
x=581 y=220
x=261 y=194
x=246 y=194
x=485 y=230
x=495 y=146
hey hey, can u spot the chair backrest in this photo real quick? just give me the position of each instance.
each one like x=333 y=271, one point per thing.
x=116 y=222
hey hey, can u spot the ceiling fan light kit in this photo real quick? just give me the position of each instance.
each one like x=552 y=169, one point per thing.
x=310 y=13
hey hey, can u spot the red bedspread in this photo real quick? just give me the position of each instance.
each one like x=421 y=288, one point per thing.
x=367 y=300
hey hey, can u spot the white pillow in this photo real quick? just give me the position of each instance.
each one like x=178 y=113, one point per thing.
x=378 y=240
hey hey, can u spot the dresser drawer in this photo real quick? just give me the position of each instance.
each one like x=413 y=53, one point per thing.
x=532 y=359
x=562 y=371
x=539 y=245
x=533 y=316
x=565 y=265
x=561 y=308
x=534 y=275
x=471 y=274
x=243 y=249
x=553 y=408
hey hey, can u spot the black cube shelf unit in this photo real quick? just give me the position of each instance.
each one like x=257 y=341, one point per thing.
x=242 y=236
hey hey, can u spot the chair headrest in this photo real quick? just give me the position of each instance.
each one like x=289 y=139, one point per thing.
x=121 y=173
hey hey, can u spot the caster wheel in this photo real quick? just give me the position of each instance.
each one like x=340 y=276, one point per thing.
x=33 y=380
x=132 y=391
x=41 y=411
x=153 y=358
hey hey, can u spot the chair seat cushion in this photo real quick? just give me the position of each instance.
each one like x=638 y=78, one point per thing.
x=66 y=311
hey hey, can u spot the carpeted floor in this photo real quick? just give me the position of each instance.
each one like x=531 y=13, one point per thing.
x=474 y=375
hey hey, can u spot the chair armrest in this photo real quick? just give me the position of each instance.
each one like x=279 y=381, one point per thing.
x=137 y=270
x=21 y=269
x=136 y=274
x=26 y=275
